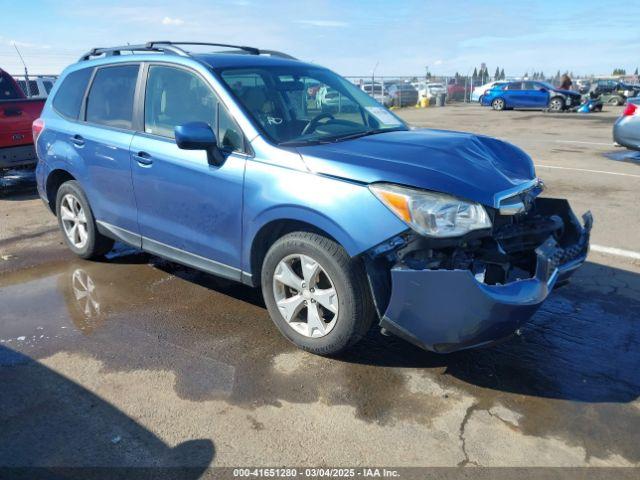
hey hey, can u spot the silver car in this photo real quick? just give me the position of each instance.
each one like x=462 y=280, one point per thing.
x=626 y=130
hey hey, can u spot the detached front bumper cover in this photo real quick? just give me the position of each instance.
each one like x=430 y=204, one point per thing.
x=449 y=310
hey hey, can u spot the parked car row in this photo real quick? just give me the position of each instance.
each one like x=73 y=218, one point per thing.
x=393 y=94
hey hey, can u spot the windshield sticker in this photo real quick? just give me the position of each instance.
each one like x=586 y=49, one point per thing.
x=274 y=120
x=383 y=115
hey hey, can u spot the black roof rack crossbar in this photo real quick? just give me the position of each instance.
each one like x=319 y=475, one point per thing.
x=272 y=53
x=250 y=50
x=174 y=48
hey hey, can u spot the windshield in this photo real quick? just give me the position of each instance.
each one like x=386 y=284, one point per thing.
x=305 y=104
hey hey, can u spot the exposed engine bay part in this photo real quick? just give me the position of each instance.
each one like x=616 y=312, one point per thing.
x=508 y=270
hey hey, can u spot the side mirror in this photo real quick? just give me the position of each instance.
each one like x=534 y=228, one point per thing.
x=542 y=89
x=199 y=136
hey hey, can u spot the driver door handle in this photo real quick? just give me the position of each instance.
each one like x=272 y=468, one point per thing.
x=143 y=159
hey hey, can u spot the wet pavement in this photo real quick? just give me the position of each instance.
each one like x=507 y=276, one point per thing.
x=138 y=361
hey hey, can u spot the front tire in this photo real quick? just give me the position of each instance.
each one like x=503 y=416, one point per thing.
x=556 y=104
x=498 y=104
x=77 y=223
x=317 y=295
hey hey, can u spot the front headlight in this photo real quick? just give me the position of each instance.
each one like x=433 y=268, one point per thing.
x=430 y=213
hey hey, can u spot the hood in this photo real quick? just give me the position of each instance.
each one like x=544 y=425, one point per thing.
x=467 y=166
x=567 y=92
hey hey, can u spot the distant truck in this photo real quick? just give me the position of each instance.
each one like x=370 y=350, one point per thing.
x=17 y=113
x=35 y=86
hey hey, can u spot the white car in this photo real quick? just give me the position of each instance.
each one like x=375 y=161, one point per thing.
x=328 y=99
x=482 y=89
x=378 y=92
x=430 y=90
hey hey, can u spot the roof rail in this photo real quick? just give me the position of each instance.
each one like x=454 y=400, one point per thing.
x=272 y=53
x=174 y=48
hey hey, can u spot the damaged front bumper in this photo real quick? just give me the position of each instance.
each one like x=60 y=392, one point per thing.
x=445 y=310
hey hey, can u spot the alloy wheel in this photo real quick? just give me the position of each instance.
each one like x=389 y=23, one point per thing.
x=74 y=221
x=555 y=105
x=305 y=295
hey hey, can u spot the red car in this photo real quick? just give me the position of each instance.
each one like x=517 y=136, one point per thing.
x=456 y=91
x=17 y=113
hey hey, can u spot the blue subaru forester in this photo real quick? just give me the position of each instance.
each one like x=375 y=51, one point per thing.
x=342 y=214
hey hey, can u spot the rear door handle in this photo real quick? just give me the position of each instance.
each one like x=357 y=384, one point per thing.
x=143 y=159
x=77 y=140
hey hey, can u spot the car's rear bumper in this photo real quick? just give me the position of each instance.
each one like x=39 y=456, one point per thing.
x=449 y=310
x=626 y=132
x=18 y=156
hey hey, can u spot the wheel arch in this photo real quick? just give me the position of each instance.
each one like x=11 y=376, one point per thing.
x=55 y=179
x=270 y=231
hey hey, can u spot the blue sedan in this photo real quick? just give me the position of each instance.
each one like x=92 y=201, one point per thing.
x=527 y=94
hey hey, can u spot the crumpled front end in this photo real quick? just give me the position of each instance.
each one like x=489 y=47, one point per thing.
x=452 y=294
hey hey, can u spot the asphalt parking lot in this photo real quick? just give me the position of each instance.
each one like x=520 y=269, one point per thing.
x=140 y=362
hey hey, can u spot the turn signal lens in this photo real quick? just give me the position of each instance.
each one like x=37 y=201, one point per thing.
x=398 y=203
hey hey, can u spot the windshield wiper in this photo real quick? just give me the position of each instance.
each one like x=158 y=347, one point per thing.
x=365 y=133
x=339 y=138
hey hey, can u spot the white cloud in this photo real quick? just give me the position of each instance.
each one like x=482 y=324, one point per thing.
x=438 y=62
x=172 y=21
x=324 y=23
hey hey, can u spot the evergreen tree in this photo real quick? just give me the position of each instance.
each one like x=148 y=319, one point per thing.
x=496 y=75
x=526 y=75
x=541 y=76
x=502 y=77
x=636 y=72
x=474 y=77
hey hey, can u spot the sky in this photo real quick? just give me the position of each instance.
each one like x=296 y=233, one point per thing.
x=351 y=37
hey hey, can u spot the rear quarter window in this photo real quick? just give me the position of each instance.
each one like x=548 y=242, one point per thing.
x=68 y=99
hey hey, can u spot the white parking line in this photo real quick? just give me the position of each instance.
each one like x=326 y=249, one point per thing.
x=586 y=143
x=619 y=252
x=589 y=171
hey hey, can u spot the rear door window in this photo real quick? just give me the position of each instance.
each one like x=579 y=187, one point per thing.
x=68 y=99
x=110 y=100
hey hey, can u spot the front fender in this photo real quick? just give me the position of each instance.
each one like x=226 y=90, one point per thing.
x=347 y=211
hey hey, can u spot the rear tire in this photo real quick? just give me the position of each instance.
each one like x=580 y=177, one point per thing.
x=350 y=311
x=498 y=104
x=77 y=223
x=615 y=101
